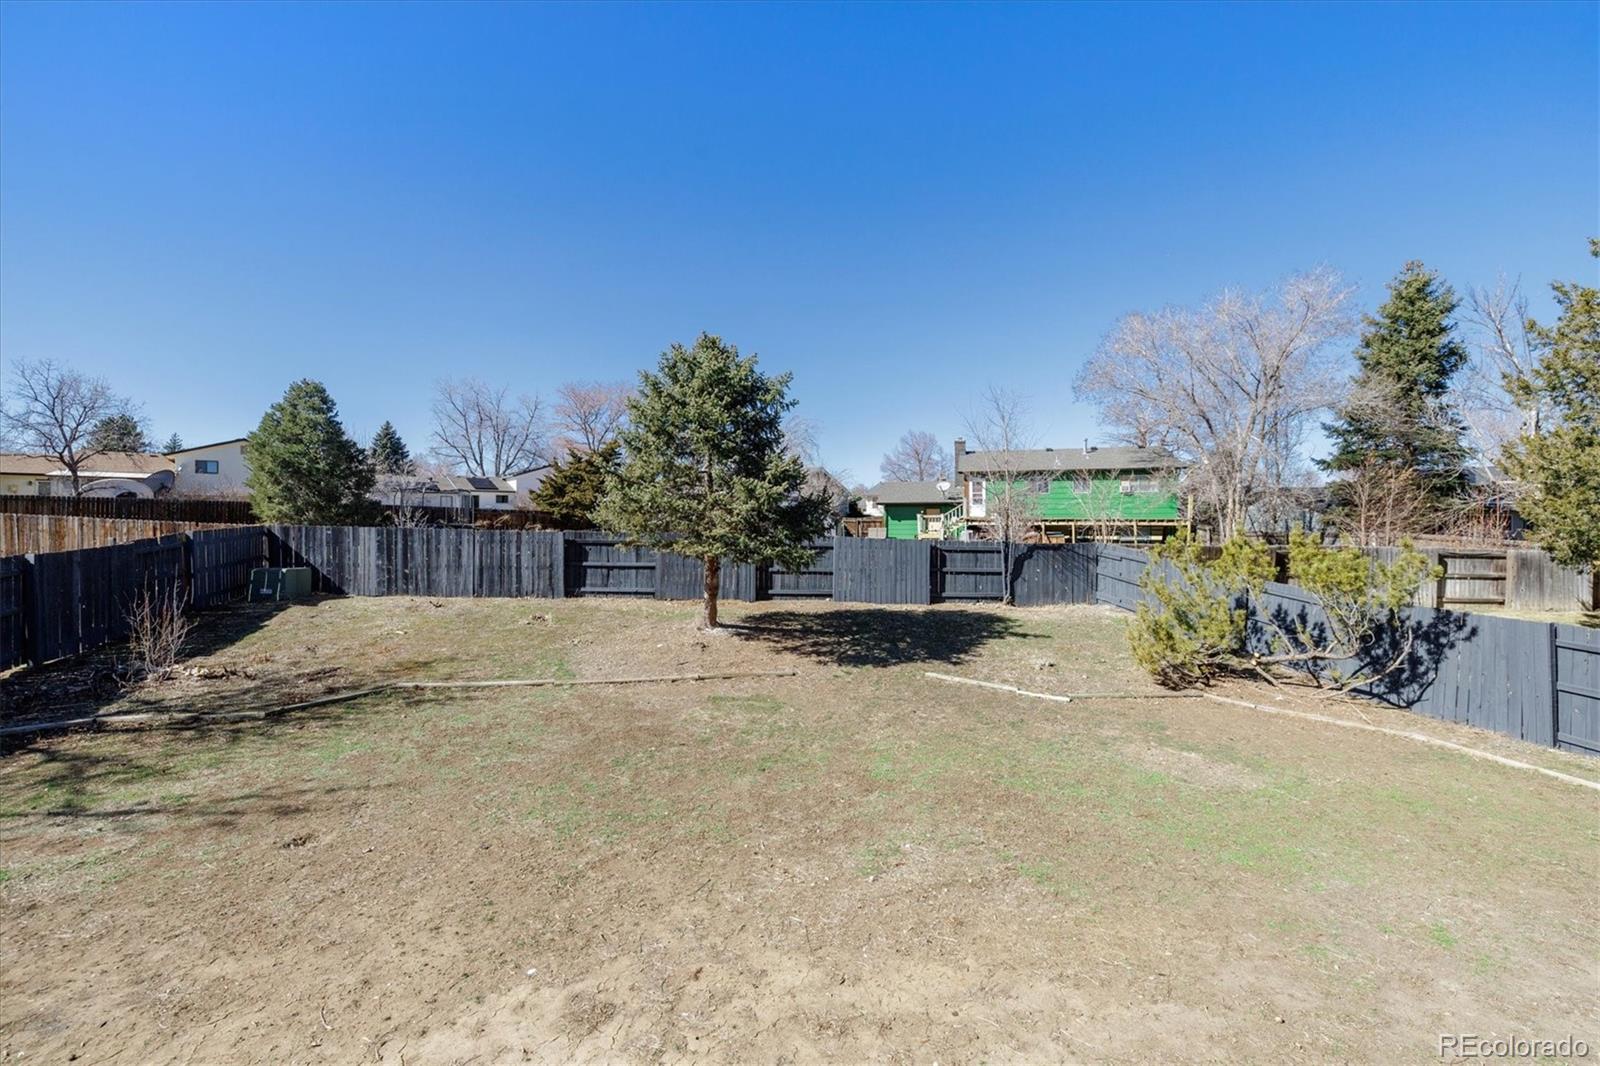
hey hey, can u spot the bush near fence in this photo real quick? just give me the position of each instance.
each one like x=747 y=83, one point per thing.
x=1536 y=681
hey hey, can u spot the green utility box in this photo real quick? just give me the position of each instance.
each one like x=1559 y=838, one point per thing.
x=271 y=583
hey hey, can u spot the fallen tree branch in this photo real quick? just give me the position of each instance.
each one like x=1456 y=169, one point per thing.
x=179 y=717
x=1420 y=738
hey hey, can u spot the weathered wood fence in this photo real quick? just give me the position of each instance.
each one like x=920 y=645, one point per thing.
x=1536 y=681
x=1517 y=578
x=23 y=533
x=56 y=604
x=159 y=509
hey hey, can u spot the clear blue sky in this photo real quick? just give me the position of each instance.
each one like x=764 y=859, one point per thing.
x=898 y=203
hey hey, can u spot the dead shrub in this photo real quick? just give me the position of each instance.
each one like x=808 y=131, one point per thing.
x=157 y=629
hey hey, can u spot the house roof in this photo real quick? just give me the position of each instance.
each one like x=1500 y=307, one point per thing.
x=106 y=464
x=1027 y=460
x=213 y=444
x=912 y=492
x=465 y=483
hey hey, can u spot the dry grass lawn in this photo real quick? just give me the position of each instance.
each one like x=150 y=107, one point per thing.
x=855 y=862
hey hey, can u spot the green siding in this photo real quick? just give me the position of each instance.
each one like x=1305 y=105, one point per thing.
x=900 y=520
x=1105 y=500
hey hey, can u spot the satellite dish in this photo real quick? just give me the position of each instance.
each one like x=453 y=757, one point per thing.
x=944 y=486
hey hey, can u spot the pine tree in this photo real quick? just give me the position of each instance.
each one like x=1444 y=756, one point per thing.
x=174 y=444
x=706 y=471
x=389 y=453
x=118 y=433
x=1399 y=414
x=1559 y=467
x=304 y=468
x=572 y=489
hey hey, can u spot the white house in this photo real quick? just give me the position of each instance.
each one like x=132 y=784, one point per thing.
x=460 y=491
x=130 y=475
x=216 y=469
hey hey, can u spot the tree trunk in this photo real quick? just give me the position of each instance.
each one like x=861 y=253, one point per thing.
x=708 y=614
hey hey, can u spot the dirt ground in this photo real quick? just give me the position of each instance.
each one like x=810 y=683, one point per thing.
x=854 y=862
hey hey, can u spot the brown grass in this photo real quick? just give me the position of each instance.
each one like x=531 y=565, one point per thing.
x=852 y=863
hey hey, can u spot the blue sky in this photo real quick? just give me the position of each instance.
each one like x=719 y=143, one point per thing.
x=898 y=203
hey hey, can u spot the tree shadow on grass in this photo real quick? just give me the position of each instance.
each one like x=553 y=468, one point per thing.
x=869 y=636
x=88 y=780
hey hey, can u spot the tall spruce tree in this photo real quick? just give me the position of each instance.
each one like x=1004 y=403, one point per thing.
x=119 y=433
x=389 y=453
x=174 y=444
x=1559 y=467
x=573 y=488
x=303 y=465
x=705 y=469
x=1399 y=415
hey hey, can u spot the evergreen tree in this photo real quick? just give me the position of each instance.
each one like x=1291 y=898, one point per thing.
x=118 y=433
x=174 y=444
x=389 y=453
x=706 y=471
x=1559 y=467
x=304 y=467
x=572 y=489
x=1399 y=413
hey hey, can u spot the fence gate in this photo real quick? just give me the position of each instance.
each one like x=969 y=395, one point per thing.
x=599 y=564
x=1472 y=578
x=1577 y=655
x=815 y=580
x=971 y=570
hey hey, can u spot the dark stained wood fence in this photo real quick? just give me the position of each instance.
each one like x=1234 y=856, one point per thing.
x=883 y=571
x=812 y=581
x=422 y=560
x=970 y=570
x=1044 y=574
x=56 y=604
x=1535 y=681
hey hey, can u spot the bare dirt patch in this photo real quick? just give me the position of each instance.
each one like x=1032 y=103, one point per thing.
x=851 y=863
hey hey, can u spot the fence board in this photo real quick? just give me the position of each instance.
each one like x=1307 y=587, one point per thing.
x=13 y=623
x=1044 y=574
x=1577 y=683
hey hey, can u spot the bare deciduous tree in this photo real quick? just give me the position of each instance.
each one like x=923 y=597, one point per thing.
x=56 y=411
x=588 y=414
x=1001 y=428
x=1503 y=354
x=1229 y=388
x=1384 y=503
x=918 y=456
x=485 y=431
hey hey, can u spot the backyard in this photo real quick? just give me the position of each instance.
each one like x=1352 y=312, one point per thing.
x=849 y=861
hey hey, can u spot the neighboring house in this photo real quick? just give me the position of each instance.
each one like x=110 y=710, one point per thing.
x=218 y=469
x=127 y=475
x=458 y=491
x=911 y=509
x=1089 y=493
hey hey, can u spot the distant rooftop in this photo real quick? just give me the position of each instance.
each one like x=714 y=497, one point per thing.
x=912 y=492
x=1028 y=460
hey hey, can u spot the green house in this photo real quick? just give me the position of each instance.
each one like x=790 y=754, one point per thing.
x=913 y=509
x=1089 y=493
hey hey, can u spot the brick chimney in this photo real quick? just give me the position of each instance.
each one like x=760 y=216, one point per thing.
x=959 y=450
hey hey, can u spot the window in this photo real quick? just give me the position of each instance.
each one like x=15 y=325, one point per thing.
x=205 y=466
x=1145 y=484
x=979 y=491
x=502 y=498
x=1080 y=484
x=1040 y=486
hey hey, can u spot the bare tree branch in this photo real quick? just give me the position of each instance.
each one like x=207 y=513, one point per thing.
x=483 y=431
x=918 y=456
x=1230 y=388
x=588 y=414
x=56 y=411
